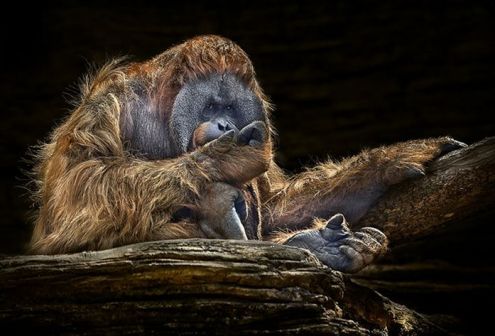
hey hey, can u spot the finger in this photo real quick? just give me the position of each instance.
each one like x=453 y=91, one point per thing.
x=226 y=137
x=376 y=234
x=451 y=145
x=222 y=144
x=367 y=252
x=368 y=240
x=254 y=134
x=260 y=132
x=334 y=236
x=355 y=260
x=208 y=231
x=336 y=229
x=338 y=222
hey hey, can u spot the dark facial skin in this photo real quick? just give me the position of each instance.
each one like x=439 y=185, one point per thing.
x=207 y=108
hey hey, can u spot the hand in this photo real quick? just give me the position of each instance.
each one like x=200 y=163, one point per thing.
x=410 y=159
x=255 y=134
x=339 y=248
x=222 y=211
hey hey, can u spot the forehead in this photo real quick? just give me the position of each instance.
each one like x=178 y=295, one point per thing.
x=221 y=86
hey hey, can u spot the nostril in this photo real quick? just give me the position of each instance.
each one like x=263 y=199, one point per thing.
x=223 y=126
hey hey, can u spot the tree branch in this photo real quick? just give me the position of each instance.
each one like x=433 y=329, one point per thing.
x=455 y=187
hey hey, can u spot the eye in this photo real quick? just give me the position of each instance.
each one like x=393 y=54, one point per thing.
x=209 y=106
x=229 y=107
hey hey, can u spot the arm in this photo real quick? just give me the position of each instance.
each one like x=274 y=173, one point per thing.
x=349 y=187
x=296 y=214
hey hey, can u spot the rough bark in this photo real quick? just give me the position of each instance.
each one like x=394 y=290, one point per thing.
x=455 y=187
x=193 y=287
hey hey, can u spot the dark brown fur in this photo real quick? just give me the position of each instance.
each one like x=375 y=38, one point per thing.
x=94 y=194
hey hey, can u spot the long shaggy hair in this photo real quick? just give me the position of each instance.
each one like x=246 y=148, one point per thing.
x=92 y=193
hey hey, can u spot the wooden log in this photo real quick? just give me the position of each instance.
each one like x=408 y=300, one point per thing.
x=200 y=287
x=455 y=187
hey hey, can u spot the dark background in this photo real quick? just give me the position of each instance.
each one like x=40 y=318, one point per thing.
x=343 y=75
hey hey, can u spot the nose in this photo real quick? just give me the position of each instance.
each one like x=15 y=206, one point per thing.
x=211 y=130
x=223 y=125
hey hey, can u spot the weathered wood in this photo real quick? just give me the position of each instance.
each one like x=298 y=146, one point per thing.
x=426 y=277
x=438 y=287
x=454 y=188
x=190 y=287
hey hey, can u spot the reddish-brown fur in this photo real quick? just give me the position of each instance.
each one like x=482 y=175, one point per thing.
x=94 y=194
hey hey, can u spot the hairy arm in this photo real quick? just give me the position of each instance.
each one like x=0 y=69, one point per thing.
x=311 y=210
x=349 y=187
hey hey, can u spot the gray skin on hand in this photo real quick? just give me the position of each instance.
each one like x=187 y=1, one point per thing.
x=339 y=248
x=255 y=134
